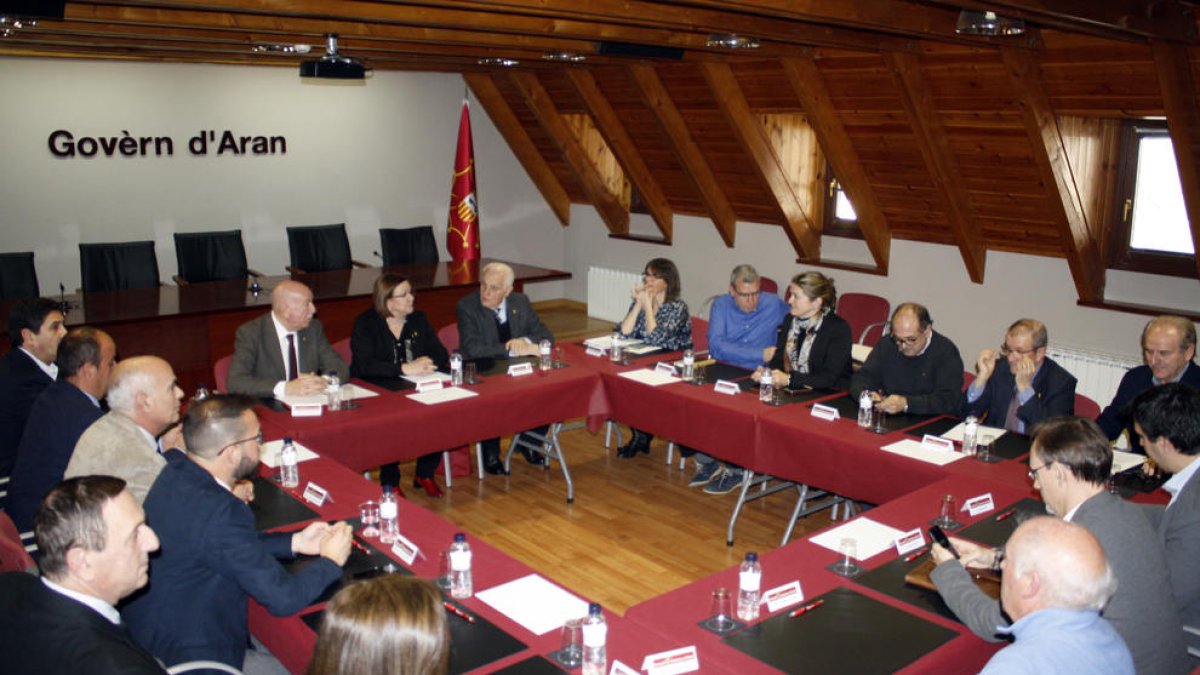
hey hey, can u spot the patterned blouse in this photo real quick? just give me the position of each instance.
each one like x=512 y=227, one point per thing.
x=674 y=329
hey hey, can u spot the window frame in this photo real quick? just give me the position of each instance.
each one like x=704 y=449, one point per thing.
x=832 y=225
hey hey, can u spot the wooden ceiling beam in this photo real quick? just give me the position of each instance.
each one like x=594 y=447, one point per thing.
x=1170 y=20
x=611 y=210
x=939 y=160
x=1053 y=163
x=489 y=96
x=810 y=89
x=610 y=126
x=801 y=231
x=892 y=17
x=655 y=96
x=1173 y=63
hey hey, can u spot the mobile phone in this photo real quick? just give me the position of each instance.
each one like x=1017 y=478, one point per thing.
x=936 y=534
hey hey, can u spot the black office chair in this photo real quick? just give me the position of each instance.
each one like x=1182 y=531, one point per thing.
x=18 y=278
x=118 y=266
x=210 y=256
x=320 y=248
x=408 y=246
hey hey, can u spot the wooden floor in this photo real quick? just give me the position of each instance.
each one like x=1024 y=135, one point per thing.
x=635 y=530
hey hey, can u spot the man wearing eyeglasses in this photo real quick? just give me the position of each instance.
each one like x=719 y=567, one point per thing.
x=1019 y=387
x=1069 y=464
x=213 y=559
x=917 y=371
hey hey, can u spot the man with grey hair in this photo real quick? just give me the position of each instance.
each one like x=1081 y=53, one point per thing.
x=1020 y=386
x=143 y=400
x=1168 y=347
x=1056 y=580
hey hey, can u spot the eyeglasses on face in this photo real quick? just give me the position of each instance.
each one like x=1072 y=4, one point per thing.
x=746 y=296
x=1007 y=351
x=906 y=341
x=257 y=438
x=1032 y=473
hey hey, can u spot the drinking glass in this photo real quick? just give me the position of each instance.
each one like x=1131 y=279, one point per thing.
x=720 y=619
x=369 y=512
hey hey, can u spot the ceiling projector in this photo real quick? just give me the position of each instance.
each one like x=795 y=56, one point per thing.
x=333 y=65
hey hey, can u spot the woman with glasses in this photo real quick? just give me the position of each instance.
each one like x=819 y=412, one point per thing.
x=813 y=350
x=392 y=340
x=657 y=316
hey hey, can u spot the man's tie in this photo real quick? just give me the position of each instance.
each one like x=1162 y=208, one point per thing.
x=293 y=363
x=1011 y=421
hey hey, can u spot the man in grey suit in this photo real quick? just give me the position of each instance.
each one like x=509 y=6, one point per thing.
x=496 y=323
x=1167 y=421
x=281 y=352
x=1070 y=462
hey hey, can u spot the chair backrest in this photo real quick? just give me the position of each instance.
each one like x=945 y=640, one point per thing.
x=768 y=285
x=699 y=334
x=319 y=248
x=342 y=347
x=861 y=310
x=872 y=334
x=221 y=372
x=118 y=266
x=13 y=556
x=448 y=334
x=1086 y=407
x=407 y=246
x=18 y=277
x=210 y=256
x=968 y=378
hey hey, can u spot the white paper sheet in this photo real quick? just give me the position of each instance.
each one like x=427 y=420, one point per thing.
x=442 y=395
x=351 y=392
x=650 y=377
x=1126 y=460
x=535 y=603
x=432 y=377
x=269 y=453
x=605 y=342
x=956 y=434
x=860 y=352
x=313 y=399
x=872 y=538
x=914 y=449
x=640 y=349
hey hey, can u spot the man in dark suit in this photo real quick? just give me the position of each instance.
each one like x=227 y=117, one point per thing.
x=496 y=323
x=58 y=418
x=35 y=327
x=1023 y=387
x=283 y=351
x=94 y=545
x=1070 y=463
x=1167 y=422
x=1168 y=347
x=213 y=559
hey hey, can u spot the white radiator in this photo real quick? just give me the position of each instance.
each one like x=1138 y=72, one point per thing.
x=608 y=292
x=1098 y=374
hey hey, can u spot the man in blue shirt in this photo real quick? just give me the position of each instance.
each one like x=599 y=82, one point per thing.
x=741 y=328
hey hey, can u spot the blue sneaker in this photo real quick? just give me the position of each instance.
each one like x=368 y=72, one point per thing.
x=706 y=472
x=730 y=480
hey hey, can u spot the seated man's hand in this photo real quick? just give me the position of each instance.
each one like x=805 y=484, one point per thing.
x=419 y=366
x=308 y=541
x=892 y=404
x=305 y=385
x=336 y=543
x=520 y=347
x=244 y=490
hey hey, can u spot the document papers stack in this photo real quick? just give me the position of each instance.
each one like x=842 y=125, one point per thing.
x=535 y=603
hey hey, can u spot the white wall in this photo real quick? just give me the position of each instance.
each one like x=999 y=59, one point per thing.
x=370 y=155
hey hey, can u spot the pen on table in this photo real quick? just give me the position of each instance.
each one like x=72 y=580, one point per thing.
x=355 y=544
x=915 y=554
x=807 y=608
x=1007 y=514
x=458 y=612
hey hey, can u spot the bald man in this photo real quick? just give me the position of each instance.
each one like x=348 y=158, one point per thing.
x=285 y=351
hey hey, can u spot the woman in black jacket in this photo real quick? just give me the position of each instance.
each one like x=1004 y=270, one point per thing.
x=813 y=349
x=391 y=340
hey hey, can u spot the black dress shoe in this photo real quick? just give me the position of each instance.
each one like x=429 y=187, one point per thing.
x=494 y=466
x=639 y=441
x=533 y=457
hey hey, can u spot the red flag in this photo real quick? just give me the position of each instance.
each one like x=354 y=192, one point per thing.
x=462 y=230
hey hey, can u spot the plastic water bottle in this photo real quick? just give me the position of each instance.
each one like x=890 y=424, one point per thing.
x=595 y=639
x=544 y=360
x=766 y=386
x=389 y=516
x=689 y=365
x=456 y=375
x=865 y=408
x=749 y=588
x=461 y=585
x=201 y=393
x=614 y=349
x=289 y=469
x=970 y=443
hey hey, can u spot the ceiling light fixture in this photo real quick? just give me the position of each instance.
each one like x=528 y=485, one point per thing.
x=990 y=24
x=564 y=57
x=281 y=49
x=732 y=41
x=499 y=61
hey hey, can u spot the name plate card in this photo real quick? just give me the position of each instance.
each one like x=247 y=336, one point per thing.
x=931 y=442
x=664 y=368
x=682 y=660
x=825 y=412
x=979 y=505
x=910 y=541
x=726 y=387
x=619 y=668
x=594 y=351
x=518 y=369
x=783 y=596
x=316 y=494
x=429 y=385
x=405 y=549
x=307 y=410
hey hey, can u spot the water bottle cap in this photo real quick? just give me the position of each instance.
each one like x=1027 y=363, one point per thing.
x=751 y=557
x=387 y=489
x=287 y=440
x=594 y=609
x=459 y=537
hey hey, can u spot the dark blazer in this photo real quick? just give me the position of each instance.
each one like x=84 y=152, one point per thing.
x=1178 y=528
x=829 y=357
x=43 y=632
x=1115 y=419
x=21 y=382
x=211 y=561
x=258 y=363
x=477 y=333
x=1053 y=395
x=58 y=418
x=373 y=349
